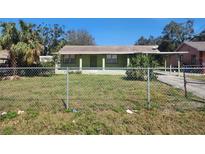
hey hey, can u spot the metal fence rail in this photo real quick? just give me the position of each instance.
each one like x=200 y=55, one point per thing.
x=136 y=88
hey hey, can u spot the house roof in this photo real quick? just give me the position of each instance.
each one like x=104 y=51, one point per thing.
x=200 y=46
x=4 y=54
x=108 y=49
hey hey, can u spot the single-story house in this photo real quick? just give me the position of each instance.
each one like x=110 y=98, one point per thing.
x=101 y=56
x=195 y=56
x=107 y=58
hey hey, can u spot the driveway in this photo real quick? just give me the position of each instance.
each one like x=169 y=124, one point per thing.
x=178 y=82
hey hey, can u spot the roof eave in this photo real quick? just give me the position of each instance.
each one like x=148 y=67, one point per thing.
x=105 y=52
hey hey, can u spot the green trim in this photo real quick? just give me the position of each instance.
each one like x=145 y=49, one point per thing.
x=121 y=61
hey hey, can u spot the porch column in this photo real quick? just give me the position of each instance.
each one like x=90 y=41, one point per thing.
x=170 y=68
x=165 y=63
x=80 y=64
x=178 y=63
x=103 y=63
x=128 y=61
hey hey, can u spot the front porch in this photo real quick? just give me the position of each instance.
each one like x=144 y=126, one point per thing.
x=94 y=62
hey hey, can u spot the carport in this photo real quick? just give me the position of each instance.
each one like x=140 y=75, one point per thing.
x=167 y=55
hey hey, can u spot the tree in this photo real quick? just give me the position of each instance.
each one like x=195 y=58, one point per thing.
x=166 y=45
x=21 y=51
x=80 y=37
x=30 y=41
x=199 y=37
x=9 y=37
x=147 y=41
x=150 y=41
x=23 y=44
x=141 y=41
x=176 y=33
x=53 y=38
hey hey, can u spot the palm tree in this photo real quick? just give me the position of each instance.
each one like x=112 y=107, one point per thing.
x=29 y=45
x=23 y=44
x=9 y=37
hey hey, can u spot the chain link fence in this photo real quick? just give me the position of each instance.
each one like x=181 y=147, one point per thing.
x=124 y=88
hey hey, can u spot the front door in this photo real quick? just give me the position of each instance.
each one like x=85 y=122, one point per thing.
x=93 y=61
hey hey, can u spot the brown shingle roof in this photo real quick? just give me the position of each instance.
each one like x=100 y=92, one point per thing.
x=200 y=46
x=107 y=49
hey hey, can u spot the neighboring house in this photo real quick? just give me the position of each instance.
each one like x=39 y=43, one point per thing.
x=44 y=59
x=195 y=56
x=4 y=57
x=101 y=56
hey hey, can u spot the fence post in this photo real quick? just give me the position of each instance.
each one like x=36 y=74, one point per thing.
x=185 y=83
x=178 y=63
x=67 y=89
x=165 y=64
x=148 y=87
x=78 y=91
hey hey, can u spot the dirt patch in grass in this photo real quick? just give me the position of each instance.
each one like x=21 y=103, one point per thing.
x=14 y=77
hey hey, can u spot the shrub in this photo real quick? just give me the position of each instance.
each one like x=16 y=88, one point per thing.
x=140 y=63
x=36 y=72
x=42 y=69
x=47 y=64
x=139 y=74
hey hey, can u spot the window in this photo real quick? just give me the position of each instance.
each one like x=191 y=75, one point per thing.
x=69 y=59
x=193 y=59
x=111 y=59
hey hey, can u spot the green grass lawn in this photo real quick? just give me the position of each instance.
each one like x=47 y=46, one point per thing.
x=101 y=102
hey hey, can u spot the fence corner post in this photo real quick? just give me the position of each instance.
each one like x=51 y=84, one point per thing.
x=67 y=88
x=148 y=88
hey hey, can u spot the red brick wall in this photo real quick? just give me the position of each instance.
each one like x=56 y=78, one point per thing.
x=186 y=58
